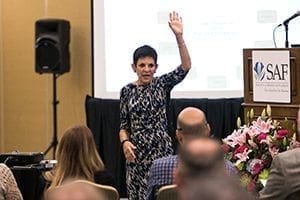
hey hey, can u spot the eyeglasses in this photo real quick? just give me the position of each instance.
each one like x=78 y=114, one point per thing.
x=180 y=129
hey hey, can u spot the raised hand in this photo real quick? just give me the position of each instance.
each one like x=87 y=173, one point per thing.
x=175 y=23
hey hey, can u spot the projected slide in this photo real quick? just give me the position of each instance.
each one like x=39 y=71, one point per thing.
x=215 y=32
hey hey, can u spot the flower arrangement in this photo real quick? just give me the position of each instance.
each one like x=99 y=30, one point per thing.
x=251 y=147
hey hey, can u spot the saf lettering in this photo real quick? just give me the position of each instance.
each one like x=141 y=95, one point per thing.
x=277 y=72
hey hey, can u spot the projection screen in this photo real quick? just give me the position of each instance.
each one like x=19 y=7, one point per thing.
x=215 y=32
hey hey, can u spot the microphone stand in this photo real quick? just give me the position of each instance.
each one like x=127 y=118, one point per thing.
x=286 y=26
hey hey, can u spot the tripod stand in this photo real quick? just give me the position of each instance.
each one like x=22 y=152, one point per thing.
x=54 y=141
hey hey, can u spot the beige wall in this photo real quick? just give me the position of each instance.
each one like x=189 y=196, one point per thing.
x=26 y=111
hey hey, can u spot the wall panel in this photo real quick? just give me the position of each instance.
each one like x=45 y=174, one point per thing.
x=26 y=97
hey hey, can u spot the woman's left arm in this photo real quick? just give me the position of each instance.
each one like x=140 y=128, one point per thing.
x=175 y=23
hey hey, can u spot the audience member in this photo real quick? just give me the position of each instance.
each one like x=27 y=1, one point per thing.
x=201 y=173
x=78 y=158
x=191 y=124
x=8 y=187
x=283 y=181
x=215 y=187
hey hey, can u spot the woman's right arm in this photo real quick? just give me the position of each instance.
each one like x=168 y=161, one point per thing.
x=126 y=145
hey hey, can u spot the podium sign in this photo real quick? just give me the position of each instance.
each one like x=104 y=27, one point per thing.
x=271 y=76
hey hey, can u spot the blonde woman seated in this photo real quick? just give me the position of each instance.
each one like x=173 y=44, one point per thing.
x=78 y=158
x=8 y=187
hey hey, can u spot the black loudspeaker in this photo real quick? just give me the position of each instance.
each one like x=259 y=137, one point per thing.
x=52 y=38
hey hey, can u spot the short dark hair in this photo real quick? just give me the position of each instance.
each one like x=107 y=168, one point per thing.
x=144 y=51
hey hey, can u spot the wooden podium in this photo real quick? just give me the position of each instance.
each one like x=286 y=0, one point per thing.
x=280 y=111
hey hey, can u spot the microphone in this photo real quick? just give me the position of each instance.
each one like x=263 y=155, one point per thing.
x=285 y=22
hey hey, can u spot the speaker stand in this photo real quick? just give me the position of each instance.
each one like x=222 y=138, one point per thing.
x=54 y=141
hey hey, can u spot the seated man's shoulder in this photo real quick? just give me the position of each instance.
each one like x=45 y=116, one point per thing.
x=286 y=155
x=290 y=152
x=165 y=160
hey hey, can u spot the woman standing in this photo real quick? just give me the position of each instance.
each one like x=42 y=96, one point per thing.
x=144 y=129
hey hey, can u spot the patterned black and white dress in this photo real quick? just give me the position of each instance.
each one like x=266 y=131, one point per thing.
x=143 y=115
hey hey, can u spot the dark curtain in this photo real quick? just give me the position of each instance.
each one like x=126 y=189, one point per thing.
x=102 y=117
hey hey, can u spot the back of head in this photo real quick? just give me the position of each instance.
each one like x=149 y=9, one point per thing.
x=144 y=51
x=191 y=121
x=200 y=156
x=77 y=155
x=201 y=172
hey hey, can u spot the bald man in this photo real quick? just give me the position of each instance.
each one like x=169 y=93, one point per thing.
x=191 y=124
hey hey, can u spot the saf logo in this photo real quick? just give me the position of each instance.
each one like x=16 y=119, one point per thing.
x=270 y=71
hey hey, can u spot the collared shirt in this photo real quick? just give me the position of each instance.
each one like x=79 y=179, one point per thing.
x=161 y=173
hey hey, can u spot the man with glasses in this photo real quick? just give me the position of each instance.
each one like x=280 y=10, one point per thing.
x=191 y=123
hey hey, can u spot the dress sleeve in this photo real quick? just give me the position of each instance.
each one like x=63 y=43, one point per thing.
x=124 y=115
x=10 y=187
x=172 y=78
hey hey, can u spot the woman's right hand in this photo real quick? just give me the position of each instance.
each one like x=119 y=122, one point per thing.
x=128 y=149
